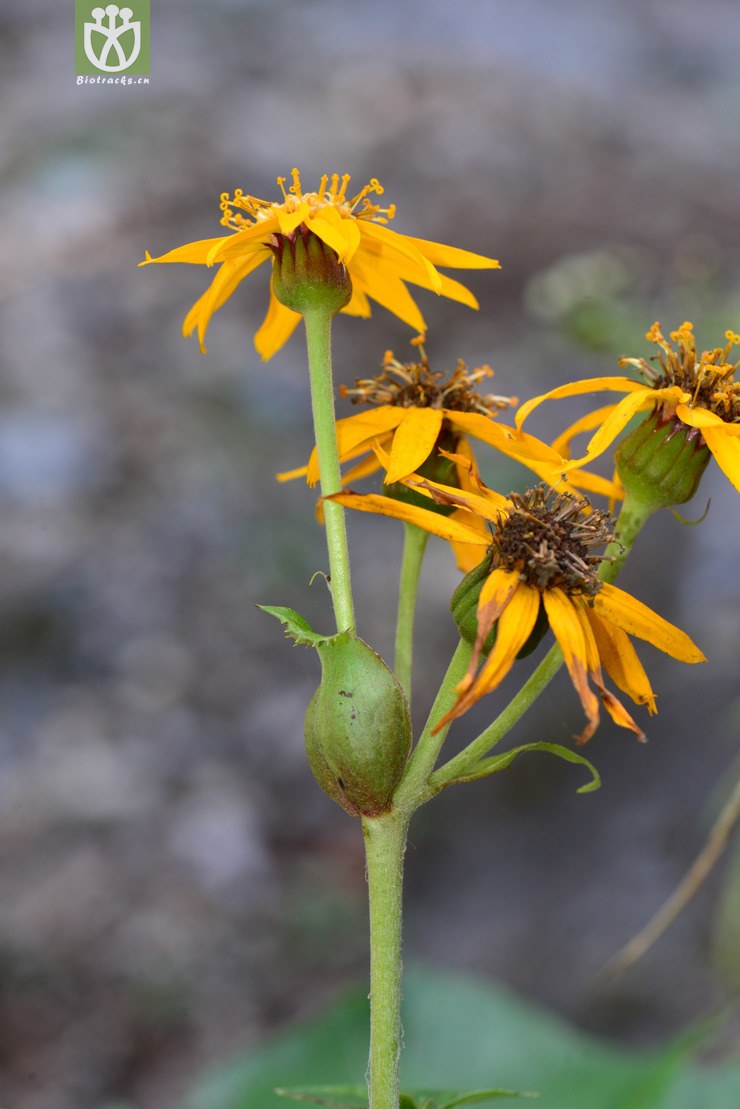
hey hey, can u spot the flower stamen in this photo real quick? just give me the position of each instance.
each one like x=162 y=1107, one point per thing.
x=416 y=386
x=550 y=540
x=708 y=377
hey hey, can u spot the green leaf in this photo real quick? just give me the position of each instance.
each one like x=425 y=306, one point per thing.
x=355 y=1097
x=494 y=763
x=449 y=1099
x=295 y=626
x=466 y=1034
x=338 y=1097
x=474 y=1097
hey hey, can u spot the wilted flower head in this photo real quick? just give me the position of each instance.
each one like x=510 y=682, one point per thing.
x=543 y=555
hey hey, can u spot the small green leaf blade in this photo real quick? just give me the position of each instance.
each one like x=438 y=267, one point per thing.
x=295 y=626
x=476 y=1097
x=334 y=1097
x=494 y=763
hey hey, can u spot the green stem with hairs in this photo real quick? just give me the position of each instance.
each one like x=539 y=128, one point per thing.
x=318 y=338
x=385 y=845
x=414 y=544
x=413 y=789
x=632 y=518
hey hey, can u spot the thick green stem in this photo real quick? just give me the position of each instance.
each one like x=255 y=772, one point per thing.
x=503 y=723
x=385 y=844
x=414 y=788
x=318 y=338
x=414 y=544
x=631 y=519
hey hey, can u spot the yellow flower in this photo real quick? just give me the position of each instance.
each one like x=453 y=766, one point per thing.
x=421 y=414
x=541 y=553
x=698 y=391
x=380 y=262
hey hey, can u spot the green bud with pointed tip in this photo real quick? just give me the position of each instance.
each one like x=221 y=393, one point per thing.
x=661 y=462
x=464 y=603
x=308 y=274
x=464 y=609
x=358 y=727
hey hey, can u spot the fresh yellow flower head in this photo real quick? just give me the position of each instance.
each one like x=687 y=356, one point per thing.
x=541 y=555
x=686 y=391
x=380 y=262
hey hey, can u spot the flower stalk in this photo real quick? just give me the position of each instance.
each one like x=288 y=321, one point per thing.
x=414 y=546
x=318 y=339
x=385 y=845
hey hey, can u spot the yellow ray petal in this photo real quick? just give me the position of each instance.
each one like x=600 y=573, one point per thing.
x=288 y=221
x=390 y=292
x=276 y=328
x=518 y=616
x=589 y=482
x=455 y=290
x=411 y=272
x=726 y=451
x=228 y=276
x=620 y=416
x=489 y=506
x=444 y=526
x=451 y=257
x=514 y=443
x=576 y=388
x=498 y=589
x=342 y=235
x=378 y=239
x=196 y=253
x=586 y=423
x=245 y=240
x=631 y=615
x=438 y=282
x=568 y=629
x=468 y=556
x=413 y=442
x=514 y=628
x=612 y=704
x=369 y=465
x=703 y=418
x=359 y=305
x=357 y=431
x=621 y=661
x=290 y=475
x=619 y=713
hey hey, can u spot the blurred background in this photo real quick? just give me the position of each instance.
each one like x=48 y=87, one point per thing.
x=173 y=886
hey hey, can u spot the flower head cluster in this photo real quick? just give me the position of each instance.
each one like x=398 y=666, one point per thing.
x=379 y=262
x=420 y=419
x=412 y=408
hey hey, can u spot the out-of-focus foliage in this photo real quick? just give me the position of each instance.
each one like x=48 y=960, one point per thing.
x=458 y=1032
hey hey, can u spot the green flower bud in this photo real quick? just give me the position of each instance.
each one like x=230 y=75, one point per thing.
x=307 y=273
x=464 y=609
x=464 y=603
x=661 y=462
x=358 y=727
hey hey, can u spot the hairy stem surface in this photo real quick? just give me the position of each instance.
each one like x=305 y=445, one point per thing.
x=318 y=338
